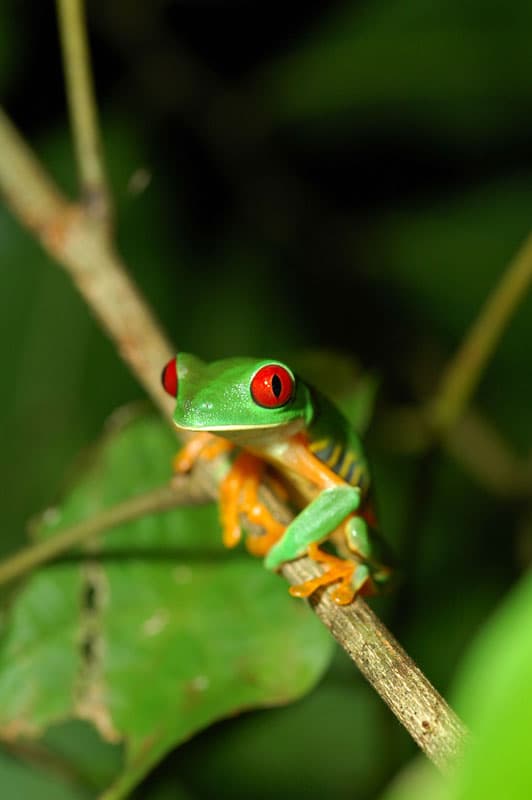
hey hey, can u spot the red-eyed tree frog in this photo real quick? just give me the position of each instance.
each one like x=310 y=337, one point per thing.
x=276 y=422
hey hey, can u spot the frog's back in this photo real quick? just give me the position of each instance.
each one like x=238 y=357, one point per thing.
x=335 y=443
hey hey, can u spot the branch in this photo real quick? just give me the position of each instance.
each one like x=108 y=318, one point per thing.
x=65 y=232
x=415 y=702
x=83 y=113
x=463 y=374
x=182 y=491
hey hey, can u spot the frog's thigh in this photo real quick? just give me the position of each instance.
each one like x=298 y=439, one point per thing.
x=317 y=521
x=302 y=461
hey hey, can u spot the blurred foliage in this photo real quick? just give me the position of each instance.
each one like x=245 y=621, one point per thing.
x=353 y=177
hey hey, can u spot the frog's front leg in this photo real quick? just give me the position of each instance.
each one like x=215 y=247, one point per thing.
x=238 y=491
x=239 y=496
x=202 y=446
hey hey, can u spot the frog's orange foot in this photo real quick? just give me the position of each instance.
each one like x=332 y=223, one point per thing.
x=205 y=446
x=259 y=515
x=339 y=571
x=239 y=497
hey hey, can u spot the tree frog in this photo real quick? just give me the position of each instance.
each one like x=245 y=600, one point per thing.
x=278 y=424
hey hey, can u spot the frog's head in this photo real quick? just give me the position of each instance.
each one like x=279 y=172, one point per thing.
x=236 y=395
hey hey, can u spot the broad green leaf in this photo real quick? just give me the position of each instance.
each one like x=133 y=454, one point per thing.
x=494 y=694
x=418 y=780
x=157 y=631
x=494 y=697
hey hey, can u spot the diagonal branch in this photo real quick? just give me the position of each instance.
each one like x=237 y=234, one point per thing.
x=430 y=721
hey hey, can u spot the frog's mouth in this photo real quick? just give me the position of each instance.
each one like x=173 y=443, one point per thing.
x=250 y=435
x=232 y=428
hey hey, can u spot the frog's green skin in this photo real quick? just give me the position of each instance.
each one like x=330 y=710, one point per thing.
x=216 y=398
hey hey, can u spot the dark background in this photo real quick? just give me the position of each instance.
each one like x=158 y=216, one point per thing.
x=352 y=176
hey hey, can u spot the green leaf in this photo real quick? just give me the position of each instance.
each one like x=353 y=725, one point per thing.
x=494 y=695
x=418 y=780
x=157 y=631
x=18 y=779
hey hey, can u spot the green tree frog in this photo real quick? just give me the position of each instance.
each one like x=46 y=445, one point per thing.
x=276 y=423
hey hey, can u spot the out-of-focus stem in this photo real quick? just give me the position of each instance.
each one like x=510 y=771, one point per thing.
x=463 y=374
x=95 y=196
x=182 y=492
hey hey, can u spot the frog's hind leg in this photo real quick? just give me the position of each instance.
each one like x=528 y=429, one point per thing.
x=353 y=578
x=339 y=570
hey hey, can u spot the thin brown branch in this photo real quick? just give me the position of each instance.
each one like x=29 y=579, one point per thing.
x=183 y=491
x=103 y=282
x=463 y=374
x=83 y=112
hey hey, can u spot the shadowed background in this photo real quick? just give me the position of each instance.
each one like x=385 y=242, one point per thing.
x=352 y=177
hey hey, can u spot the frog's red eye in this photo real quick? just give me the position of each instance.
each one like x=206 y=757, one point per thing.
x=169 y=377
x=272 y=386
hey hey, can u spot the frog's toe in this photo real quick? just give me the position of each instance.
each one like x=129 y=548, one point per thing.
x=239 y=498
x=202 y=446
x=259 y=515
x=339 y=570
x=308 y=588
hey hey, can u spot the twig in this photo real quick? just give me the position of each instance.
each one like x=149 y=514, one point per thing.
x=463 y=374
x=104 y=284
x=183 y=491
x=83 y=113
